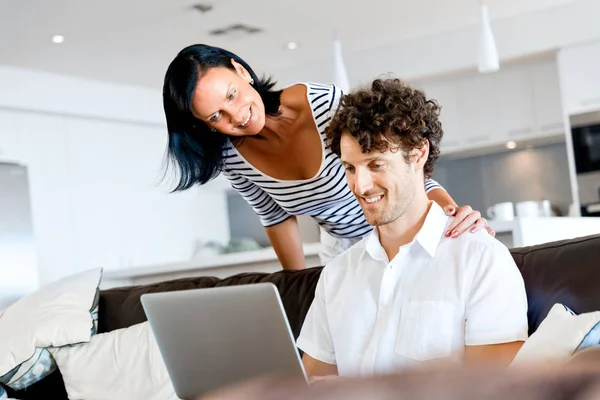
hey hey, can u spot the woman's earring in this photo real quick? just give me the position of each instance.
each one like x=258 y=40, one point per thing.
x=213 y=129
x=251 y=81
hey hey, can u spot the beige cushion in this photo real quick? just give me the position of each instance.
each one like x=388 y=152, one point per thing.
x=56 y=315
x=557 y=337
x=122 y=364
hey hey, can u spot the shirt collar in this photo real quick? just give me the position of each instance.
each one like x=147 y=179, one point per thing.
x=433 y=228
x=374 y=248
x=428 y=237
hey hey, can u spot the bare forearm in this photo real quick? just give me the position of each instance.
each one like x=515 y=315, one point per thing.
x=441 y=197
x=495 y=354
x=287 y=243
x=315 y=367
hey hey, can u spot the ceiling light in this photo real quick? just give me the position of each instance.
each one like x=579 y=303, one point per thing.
x=292 y=45
x=203 y=7
x=488 y=60
x=511 y=145
x=340 y=76
x=58 y=39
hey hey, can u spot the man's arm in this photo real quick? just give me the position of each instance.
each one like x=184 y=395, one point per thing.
x=314 y=367
x=496 y=310
x=315 y=338
x=498 y=354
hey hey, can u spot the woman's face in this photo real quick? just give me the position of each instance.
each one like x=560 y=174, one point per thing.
x=225 y=101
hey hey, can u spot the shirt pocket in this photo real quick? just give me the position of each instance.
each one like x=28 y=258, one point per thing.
x=425 y=330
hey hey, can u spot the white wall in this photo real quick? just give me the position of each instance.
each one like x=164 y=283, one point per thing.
x=18 y=269
x=24 y=89
x=516 y=37
x=94 y=154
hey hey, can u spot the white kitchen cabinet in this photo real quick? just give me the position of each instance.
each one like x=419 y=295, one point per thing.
x=496 y=108
x=579 y=68
x=10 y=140
x=514 y=110
x=547 y=101
x=445 y=94
x=521 y=102
x=475 y=109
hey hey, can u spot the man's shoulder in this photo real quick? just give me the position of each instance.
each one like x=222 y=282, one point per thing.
x=478 y=241
x=348 y=258
x=469 y=249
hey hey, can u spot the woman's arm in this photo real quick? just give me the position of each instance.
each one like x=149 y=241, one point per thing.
x=287 y=243
x=465 y=218
x=441 y=197
x=281 y=227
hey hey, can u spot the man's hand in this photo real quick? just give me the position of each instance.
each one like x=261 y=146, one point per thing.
x=321 y=379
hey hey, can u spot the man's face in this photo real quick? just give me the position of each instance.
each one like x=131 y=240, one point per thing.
x=384 y=183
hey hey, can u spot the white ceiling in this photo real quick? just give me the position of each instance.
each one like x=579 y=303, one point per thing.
x=132 y=41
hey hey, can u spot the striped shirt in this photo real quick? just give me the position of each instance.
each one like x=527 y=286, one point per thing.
x=326 y=197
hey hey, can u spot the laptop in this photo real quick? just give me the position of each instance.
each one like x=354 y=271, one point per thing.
x=213 y=337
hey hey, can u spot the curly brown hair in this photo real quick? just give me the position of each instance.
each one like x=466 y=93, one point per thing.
x=386 y=115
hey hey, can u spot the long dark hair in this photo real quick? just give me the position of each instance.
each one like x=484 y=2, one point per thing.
x=194 y=149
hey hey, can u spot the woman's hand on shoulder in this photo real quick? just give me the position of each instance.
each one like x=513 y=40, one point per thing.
x=465 y=218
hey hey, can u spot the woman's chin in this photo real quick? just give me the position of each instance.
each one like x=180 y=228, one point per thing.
x=251 y=130
x=245 y=132
x=255 y=128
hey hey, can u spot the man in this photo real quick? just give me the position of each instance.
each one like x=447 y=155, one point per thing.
x=406 y=293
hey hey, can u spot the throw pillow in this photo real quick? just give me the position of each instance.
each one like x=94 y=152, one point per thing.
x=591 y=339
x=122 y=364
x=559 y=335
x=62 y=313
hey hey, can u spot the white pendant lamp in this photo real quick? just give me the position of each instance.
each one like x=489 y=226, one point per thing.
x=488 y=60
x=340 y=76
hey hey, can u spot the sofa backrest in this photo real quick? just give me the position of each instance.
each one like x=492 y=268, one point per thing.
x=120 y=308
x=566 y=272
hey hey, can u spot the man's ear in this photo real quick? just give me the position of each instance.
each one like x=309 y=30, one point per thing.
x=421 y=154
x=239 y=68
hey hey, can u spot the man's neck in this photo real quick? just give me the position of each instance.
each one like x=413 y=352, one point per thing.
x=403 y=230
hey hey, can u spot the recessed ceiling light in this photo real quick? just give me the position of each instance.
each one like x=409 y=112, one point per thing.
x=292 y=45
x=58 y=39
x=203 y=7
x=511 y=145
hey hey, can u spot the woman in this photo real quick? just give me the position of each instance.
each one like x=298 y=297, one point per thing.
x=270 y=144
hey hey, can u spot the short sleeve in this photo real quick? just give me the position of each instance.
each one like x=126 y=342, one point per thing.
x=496 y=307
x=430 y=184
x=336 y=97
x=315 y=336
x=267 y=209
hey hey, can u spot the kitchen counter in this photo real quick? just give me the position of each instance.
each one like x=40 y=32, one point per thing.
x=531 y=231
x=516 y=233
x=218 y=265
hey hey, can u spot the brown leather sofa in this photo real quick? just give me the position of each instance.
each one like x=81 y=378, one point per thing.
x=566 y=272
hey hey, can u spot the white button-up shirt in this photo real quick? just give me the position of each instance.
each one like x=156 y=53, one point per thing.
x=371 y=315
